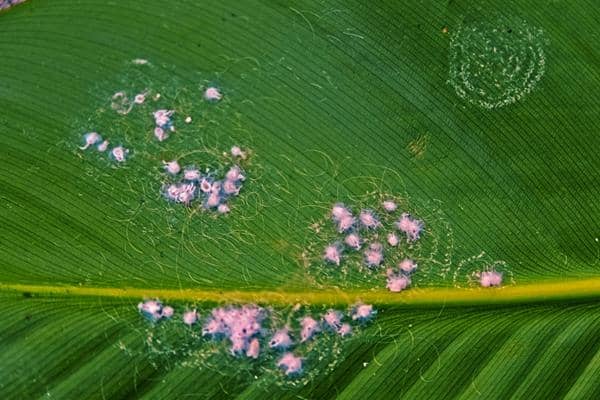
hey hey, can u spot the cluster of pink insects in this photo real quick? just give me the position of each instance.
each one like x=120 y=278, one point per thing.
x=243 y=328
x=353 y=227
x=93 y=139
x=196 y=185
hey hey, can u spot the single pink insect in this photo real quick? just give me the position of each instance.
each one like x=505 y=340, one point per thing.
x=235 y=174
x=172 y=167
x=91 y=139
x=167 y=312
x=374 y=255
x=353 y=241
x=309 y=327
x=368 y=219
x=191 y=174
x=190 y=317
x=162 y=118
x=345 y=330
x=139 y=98
x=253 y=349
x=230 y=187
x=205 y=185
x=332 y=254
x=213 y=94
x=397 y=283
x=333 y=319
x=339 y=212
x=212 y=327
x=281 y=339
x=223 y=208
x=213 y=200
x=102 y=147
x=346 y=223
x=187 y=193
x=151 y=308
x=363 y=312
x=160 y=134
x=411 y=227
x=237 y=152
x=119 y=153
x=407 y=265
x=389 y=206
x=490 y=278
x=392 y=239
x=290 y=363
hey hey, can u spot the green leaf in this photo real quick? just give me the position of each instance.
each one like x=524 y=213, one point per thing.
x=481 y=119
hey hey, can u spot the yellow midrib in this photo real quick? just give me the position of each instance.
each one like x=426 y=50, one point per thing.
x=577 y=289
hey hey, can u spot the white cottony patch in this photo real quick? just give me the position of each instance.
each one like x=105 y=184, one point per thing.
x=496 y=63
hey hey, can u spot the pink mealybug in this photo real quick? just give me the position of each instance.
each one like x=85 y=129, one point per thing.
x=410 y=226
x=368 y=219
x=230 y=188
x=91 y=139
x=407 y=265
x=397 y=282
x=339 y=211
x=345 y=224
x=213 y=94
x=333 y=254
x=102 y=147
x=374 y=255
x=281 y=339
x=234 y=174
x=190 y=317
x=167 y=312
x=191 y=174
x=213 y=200
x=392 y=239
x=139 y=98
x=290 y=363
x=353 y=241
x=490 y=278
x=151 y=309
x=162 y=118
x=160 y=134
x=253 y=348
x=187 y=193
x=333 y=319
x=223 y=208
x=363 y=312
x=309 y=327
x=205 y=185
x=119 y=153
x=237 y=152
x=389 y=206
x=345 y=330
x=172 y=167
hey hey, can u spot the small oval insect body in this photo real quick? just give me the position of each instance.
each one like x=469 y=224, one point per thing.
x=353 y=241
x=397 y=283
x=368 y=219
x=231 y=188
x=281 y=339
x=223 y=208
x=90 y=139
x=410 y=226
x=374 y=255
x=333 y=319
x=191 y=174
x=190 y=317
x=151 y=309
x=363 y=312
x=119 y=153
x=389 y=206
x=160 y=134
x=139 y=98
x=392 y=239
x=309 y=327
x=407 y=265
x=490 y=278
x=290 y=364
x=345 y=330
x=346 y=223
x=188 y=120
x=237 y=152
x=253 y=349
x=172 y=167
x=102 y=147
x=213 y=94
x=167 y=312
x=332 y=254
x=339 y=212
x=213 y=200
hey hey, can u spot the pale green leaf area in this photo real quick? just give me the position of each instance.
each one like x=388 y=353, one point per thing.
x=480 y=118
